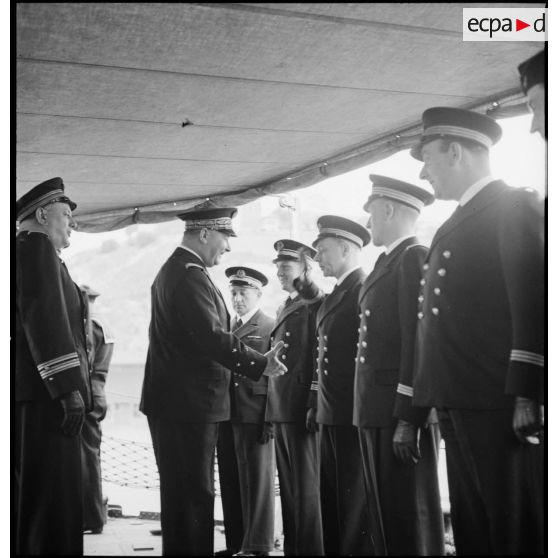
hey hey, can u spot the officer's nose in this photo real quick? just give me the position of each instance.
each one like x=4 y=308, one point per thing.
x=73 y=224
x=423 y=173
x=227 y=245
x=369 y=222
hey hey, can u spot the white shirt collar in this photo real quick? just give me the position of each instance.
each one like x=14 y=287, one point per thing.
x=293 y=294
x=395 y=244
x=192 y=252
x=248 y=316
x=474 y=189
x=345 y=275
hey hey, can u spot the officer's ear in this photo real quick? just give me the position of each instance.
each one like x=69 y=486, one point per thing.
x=455 y=152
x=41 y=215
x=204 y=236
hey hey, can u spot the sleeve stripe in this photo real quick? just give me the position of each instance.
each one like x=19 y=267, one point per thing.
x=56 y=361
x=60 y=368
x=314 y=386
x=405 y=390
x=527 y=356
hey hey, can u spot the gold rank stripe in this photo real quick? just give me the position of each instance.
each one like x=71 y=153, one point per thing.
x=314 y=386
x=527 y=356
x=59 y=364
x=405 y=390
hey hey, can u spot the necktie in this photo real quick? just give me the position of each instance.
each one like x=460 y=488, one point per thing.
x=238 y=323
x=288 y=302
x=380 y=260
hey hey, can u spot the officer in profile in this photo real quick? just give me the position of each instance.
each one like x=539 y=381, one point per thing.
x=346 y=524
x=533 y=79
x=480 y=334
x=101 y=346
x=253 y=435
x=187 y=378
x=296 y=442
x=399 y=443
x=52 y=383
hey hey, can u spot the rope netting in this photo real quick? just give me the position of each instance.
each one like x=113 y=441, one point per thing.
x=132 y=464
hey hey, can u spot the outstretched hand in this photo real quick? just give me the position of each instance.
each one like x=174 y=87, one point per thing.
x=274 y=366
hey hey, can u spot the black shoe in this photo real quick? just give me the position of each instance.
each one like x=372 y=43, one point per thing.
x=253 y=553
x=226 y=552
x=93 y=530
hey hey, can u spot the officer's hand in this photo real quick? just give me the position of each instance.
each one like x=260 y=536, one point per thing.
x=527 y=420
x=74 y=413
x=274 y=366
x=406 y=442
x=311 y=424
x=267 y=433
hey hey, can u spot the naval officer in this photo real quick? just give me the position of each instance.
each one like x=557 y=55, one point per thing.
x=480 y=334
x=187 y=376
x=533 y=79
x=52 y=383
x=344 y=511
x=399 y=443
x=253 y=435
x=296 y=442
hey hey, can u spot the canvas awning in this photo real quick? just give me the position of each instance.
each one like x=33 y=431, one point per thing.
x=146 y=110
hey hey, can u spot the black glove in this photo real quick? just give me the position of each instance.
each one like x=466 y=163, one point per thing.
x=74 y=413
x=311 y=424
x=303 y=283
x=267 y=433
x=406 y=442
x=527 y=420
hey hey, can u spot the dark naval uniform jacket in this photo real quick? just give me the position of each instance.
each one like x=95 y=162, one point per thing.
x=385 y=358
x=249 y=396
x=288 y=394
x=337 y=327
x=51 y=350
x=191 y=351
x=481 y=305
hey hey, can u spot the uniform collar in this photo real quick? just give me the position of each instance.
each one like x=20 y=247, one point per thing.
x=191 y=252
x=346 y=274
x=248 y=316
x=395 y=244
x=474 y=189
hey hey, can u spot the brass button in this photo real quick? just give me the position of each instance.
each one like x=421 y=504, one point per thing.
x=423 y=282
x=420 y=298
x=362 y=359
x=435 y=311
x=420 y=315
x=442 y=272
x=446 y=254
x=364 y=344
x=437 y=291
x=288 y=333
x=284 y=357
x=425 y=267
x=367 y=313
x=235 y=384
x=325 y=372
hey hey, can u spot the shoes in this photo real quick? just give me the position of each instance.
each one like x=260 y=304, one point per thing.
x=93 y=531
x=253 y=553
x=226 y=552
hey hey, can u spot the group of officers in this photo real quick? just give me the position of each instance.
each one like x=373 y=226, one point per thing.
x=348 y=393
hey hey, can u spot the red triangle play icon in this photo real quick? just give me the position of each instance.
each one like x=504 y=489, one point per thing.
x=519 y=25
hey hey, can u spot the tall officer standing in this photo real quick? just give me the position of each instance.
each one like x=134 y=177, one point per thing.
x=399 y=443
x=296 y=443
x=187 y=375
x=253 y=436
x=52 y=384
x=344 y=511
x=480 y=334
x=102 y=345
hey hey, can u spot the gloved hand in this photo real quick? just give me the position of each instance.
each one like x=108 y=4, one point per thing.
x=74 y=413
x=267 y=433
x=311 y=424
x=406 y=442
x=527 y=420
x=303 y=283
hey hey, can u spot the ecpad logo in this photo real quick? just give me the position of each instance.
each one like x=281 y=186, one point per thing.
x=504 y=24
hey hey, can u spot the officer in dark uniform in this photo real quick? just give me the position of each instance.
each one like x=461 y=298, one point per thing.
x=101 y=342
x=52 y=384
x=480 y=335
x=533 y=81
x=296 y=443
x=187 y=375
x=253 y=436
x=402 y=485
x=346 y=524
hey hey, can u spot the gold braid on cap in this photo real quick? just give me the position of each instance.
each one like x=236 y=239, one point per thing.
x=222 y=223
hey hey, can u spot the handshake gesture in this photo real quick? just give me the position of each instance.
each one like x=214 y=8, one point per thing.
x=274 y=366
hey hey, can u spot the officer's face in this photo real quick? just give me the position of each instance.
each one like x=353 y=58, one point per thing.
x=287 y=271
x=244 y=299
x=217 y=244
x=330 y=256
x=536 y=97
x=437 y=169
x=377 y=220
x=59 y=223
